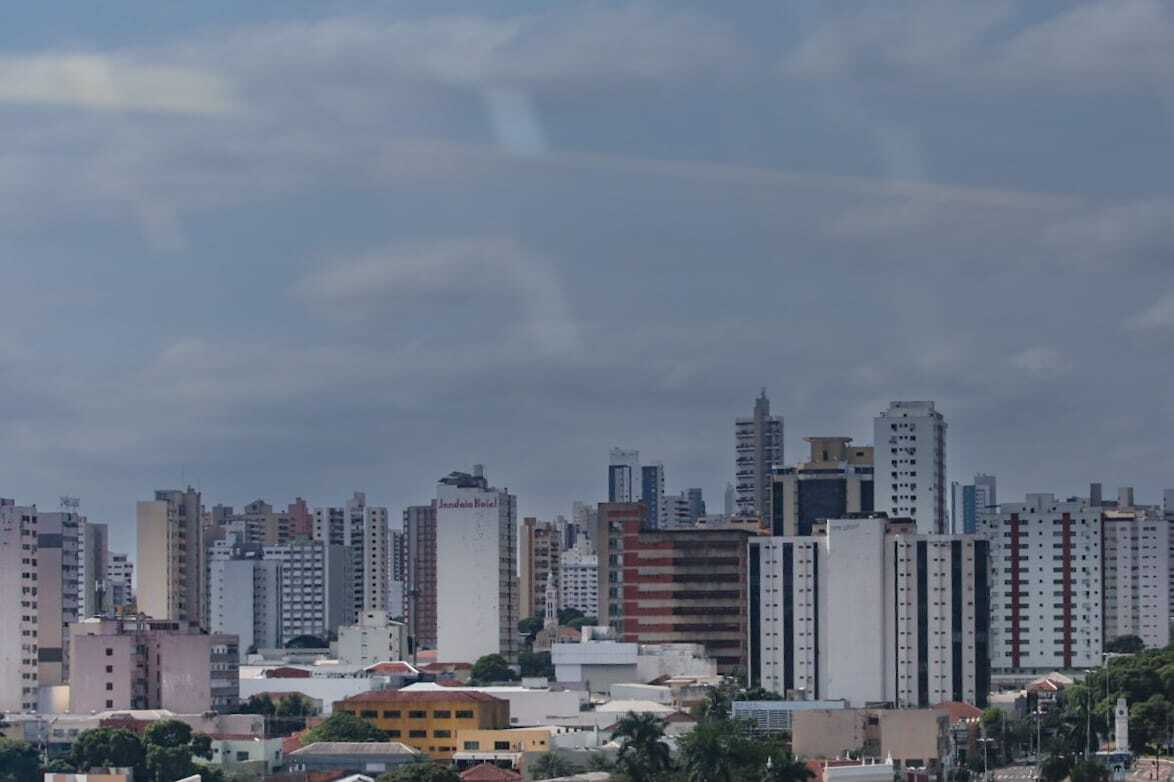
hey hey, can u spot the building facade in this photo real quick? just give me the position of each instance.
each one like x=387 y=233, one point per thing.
x=579 y=578
x=868 y=610
x=153 y=664
x=910 y=461
x=428 y=721
x=1135 y=561
x=120 y=572
x=19 y=607
x=93 y=552
x=364 y=530
x=476 y=569
x=316 y=587
x=758 y=447
x=652 y=493
x=674 y=586
x=1046 y=584
x=623 y=475
x=420 y=589
x=244 y=595
x=58 y=593
x=970 y=499
x=374 y=639
x=171 y=570
x=836 y=482
x=540 y=545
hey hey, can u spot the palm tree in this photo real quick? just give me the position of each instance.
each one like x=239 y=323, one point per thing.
x=721 y=750
x=787 y=768
x=551 y=765
x=644 y=754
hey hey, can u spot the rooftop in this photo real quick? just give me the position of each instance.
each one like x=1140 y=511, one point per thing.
x=408 y=695
x=355 y=748
x=487 y=772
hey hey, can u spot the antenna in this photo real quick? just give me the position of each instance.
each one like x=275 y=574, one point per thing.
x=70 y=504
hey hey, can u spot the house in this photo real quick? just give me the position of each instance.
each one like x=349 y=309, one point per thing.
x=371 y=757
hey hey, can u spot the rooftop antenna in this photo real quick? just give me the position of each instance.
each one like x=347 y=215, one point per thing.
x=70 y=504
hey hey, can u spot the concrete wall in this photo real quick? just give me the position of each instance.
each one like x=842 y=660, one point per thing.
x=153 y=563
x=830 y=733
x=101 y=689
x=912 y=734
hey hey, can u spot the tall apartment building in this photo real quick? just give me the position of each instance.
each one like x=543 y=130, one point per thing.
x=152 y=664
x=623 y=475
x=397 y=578
x=120 y=572
x=584 y=520
x=1168 y=514
x=579 y=578
x=696 y=504
x=1046 y=584
x=969 y=499
x=244 y=595
x=317 y=587
x=19 y=606
x=420 y=587
x=673 y=586
x=93 y=551
x=476 y=569
x=364 y=529
x=652 y=493
x=675 y=512
x=837 y=482
x=868 y=610
x=171 y=569
x=758 y=447
x=910 y=460
x=58 y=598
x=539 y=546
x=1136 y=565
x=301 y=520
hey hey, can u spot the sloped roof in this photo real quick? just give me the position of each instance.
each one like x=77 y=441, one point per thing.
x=487 y=772
x=958 y=711
x=394 y=667
x=356 y=748
x=443 y=695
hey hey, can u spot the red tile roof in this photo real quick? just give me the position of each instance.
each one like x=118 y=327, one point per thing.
x=423 y=696
x=400 y=667
x=958 y=711
x=487 y=772
x=285 y=672
x=442 y=667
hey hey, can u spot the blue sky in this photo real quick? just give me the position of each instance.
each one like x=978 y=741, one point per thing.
x=303 y=248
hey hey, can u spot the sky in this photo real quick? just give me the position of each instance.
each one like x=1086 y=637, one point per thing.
x=290 y=248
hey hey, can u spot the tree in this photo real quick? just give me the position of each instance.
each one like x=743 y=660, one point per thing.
x=716 y=705
x=1125 y=644
x=536 y=664
x=568 y=615
x=551 y=765
x=721 y=750
x=306 y=642
x=59 y=766
x=290 y=714
x=343 y=727
x=583 y=621
x=109 y=747
x=1149 y=722
x=420 y=772
x=785 y=767
x=19 y=761
x=171 y=748
x=1055 y=768
x=492 y=668
x=1088 y=771
x=643 y=754
x=530 y=625
x=258 y=704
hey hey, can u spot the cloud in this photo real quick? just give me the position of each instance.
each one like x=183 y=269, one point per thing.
x=1159 y=315
x=112 y=83
x=1091 y=46
x=1041 y=361
x=1108 y=236
x=493 y=268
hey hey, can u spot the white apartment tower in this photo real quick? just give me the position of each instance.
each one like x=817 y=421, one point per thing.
x=869 y=610
x=317 y=587
x=758 y=446
x=58 y=598
x=477 y=597
x=579 y=578
x=1136 y=566
x=364 y=530
x=1046 y=597
x=244 y=595
x=623 y=475
x=120 y=572
x=171 y=571
x=18 y=606
x=910 y=464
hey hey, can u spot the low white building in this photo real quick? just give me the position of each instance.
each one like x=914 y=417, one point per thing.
x=238 y=750
x=374 y=639
x=599 y=664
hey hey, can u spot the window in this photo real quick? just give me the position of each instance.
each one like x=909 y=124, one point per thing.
x=497 y=745
x=109 y=669
x=417 y=734
x=368 y=714
x=472 y=746
x=391 y=714
x=442 y=714
x=109 y=686
x=464 y=714
x=395 y=734
x=110 y=704
x=442 y=734
x=242 y=757
x=109 y=652
x=417 y=715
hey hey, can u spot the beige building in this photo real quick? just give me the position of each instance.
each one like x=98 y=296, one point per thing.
x=170 y=561
x=374 y=639
x=911 y=737
x=837 y=481
x=152 y=664
x=539 y=549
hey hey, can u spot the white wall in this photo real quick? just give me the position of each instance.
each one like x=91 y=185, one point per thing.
x=854 y=666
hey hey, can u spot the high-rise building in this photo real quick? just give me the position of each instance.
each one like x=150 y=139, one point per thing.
x=673 y=586
x=968 y=500
x=1135 y=561
x=244 y=594
x=1046 y=577
x=317 y=587
x=364 y=529
x=476 y=569
x=728 y=503
x=58 y=598
x=584 y=520
x=93 y=550
x=696 y=504
x=301 y=520
x=420 y=589
x=868 y=610
x=153 y=664
x=758 y=447
x=579 y=578
x=910 y=459
x=652 y=493
x=539 y=546
x=835 y=483
x=676 y=512
x=19 y=530
x=170 y=560
x=120 y=573
x=623 y=475
x=397 y=560
x=1095 y=494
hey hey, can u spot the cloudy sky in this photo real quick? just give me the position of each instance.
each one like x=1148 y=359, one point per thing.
x=286 y=247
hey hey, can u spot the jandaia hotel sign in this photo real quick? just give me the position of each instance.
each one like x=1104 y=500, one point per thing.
x=461 y=504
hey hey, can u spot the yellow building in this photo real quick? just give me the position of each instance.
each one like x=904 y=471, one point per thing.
x=511 y=740
x=428 y=721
